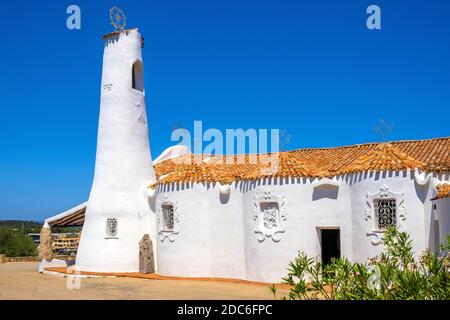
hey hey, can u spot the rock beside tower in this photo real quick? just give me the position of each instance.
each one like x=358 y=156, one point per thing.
x=45 y=246
x=146 y=258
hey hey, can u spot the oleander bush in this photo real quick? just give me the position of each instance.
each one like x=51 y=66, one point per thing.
x=394 y=274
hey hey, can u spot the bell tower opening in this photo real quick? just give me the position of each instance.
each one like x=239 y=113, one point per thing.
x=137 y=76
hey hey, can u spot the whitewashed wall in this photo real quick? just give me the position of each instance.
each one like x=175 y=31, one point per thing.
x=415 y=199
x=217 y=235
x=227 y=233
x=267 y=260
x=442 y=214
x=189 y=253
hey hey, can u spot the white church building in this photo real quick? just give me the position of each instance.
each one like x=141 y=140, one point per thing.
x=232 y=217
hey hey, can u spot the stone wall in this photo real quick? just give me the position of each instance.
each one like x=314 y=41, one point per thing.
x=4 y=259
x=146 y=257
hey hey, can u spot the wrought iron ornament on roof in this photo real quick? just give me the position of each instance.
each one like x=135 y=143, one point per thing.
x=118 y=19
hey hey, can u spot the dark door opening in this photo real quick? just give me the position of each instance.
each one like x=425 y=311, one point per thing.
x=331 y=244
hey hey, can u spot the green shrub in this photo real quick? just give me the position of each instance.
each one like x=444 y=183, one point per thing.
x=393 y=274
x=14 y=244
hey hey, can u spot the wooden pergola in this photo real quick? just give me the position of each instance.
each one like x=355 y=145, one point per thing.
x=70 y=218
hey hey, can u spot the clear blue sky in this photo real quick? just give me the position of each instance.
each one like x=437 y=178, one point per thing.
x=310 y=68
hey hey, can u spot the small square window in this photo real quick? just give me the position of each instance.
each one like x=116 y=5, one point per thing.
x=111 y=228
x=385 y=213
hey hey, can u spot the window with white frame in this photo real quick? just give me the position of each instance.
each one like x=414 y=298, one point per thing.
x=269 y=214
x=385 y=213
x=111 y=228
x=168 y=219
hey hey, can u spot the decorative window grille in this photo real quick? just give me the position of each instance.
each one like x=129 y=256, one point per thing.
x=111 y=228
x=385 y=213
x=270 y=214
x=168 y=218
x=385 y=208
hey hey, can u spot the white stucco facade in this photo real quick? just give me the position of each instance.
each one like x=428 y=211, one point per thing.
x=216 y=237
x=441 y=217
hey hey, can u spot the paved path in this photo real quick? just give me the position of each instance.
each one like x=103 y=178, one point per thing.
x=20 y=280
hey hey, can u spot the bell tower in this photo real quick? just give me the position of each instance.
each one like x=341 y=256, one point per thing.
x=118 y=213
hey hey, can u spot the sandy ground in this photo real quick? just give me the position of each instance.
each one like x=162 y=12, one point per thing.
x=20 y=280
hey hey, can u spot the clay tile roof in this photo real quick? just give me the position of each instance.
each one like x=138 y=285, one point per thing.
x=203 y=169
x=428 y=155
x=281 y=164
x=443 y=191
x=382 y=157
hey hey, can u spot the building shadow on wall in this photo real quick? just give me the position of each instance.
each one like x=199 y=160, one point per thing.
x=325 y=192
x=224 y=198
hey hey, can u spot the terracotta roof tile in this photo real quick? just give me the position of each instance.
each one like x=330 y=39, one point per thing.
x=283 y=164
x=429 y=155
x=383 y=157
x=443 y=191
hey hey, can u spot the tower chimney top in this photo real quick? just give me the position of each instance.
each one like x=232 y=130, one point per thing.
x=117 y=33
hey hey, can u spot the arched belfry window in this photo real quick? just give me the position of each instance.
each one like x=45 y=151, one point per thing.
x=137 y=76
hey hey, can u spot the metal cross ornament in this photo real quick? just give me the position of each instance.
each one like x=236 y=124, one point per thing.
x=383 y=129
x=118 y=19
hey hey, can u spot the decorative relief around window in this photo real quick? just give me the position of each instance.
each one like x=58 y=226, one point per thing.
x=111 y=228
x=270 y=214
x=168 y=218
x=385 y=208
